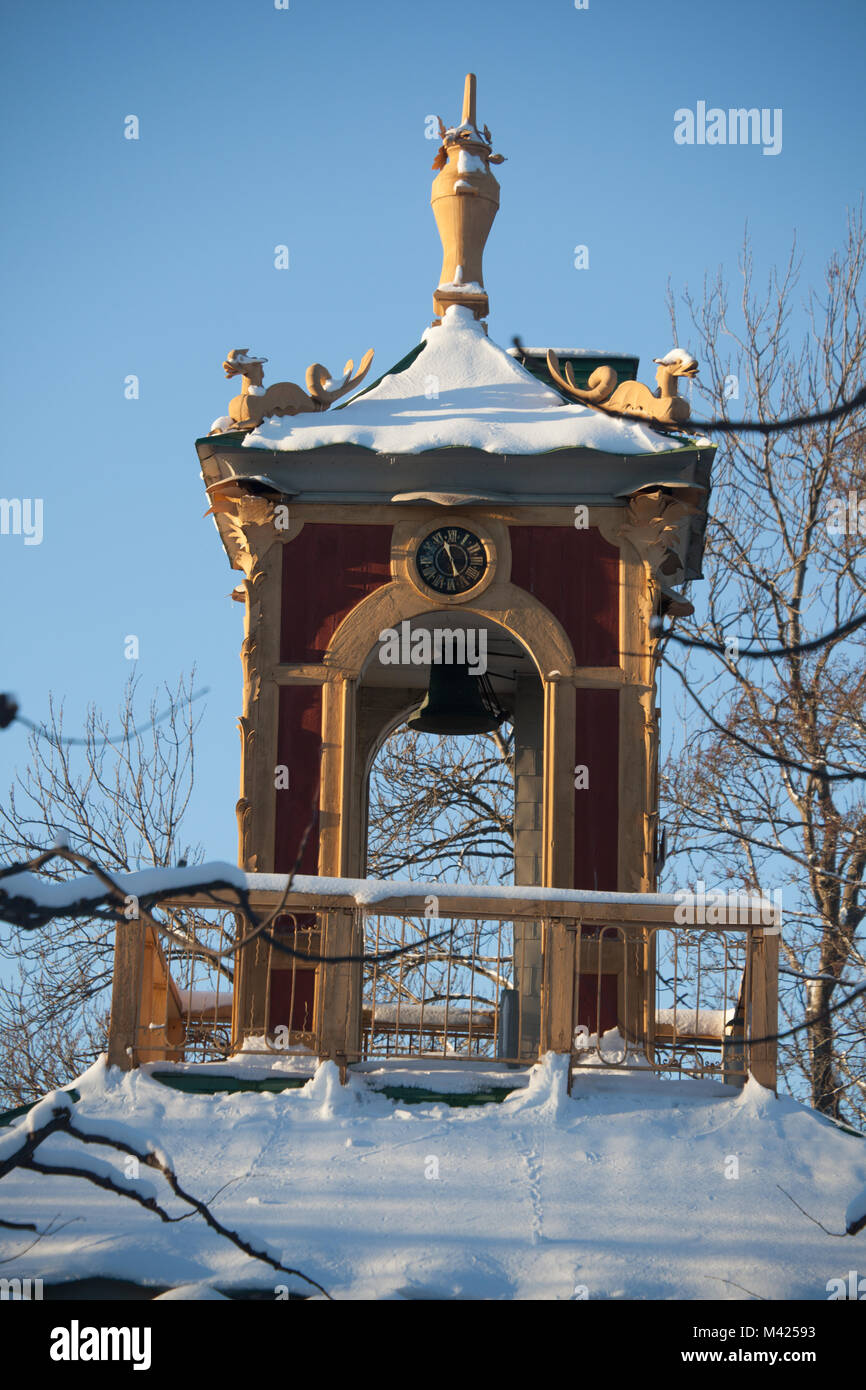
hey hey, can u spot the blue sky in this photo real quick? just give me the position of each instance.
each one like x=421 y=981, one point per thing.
x=305 y=127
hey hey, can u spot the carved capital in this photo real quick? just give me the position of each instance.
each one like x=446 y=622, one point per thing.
x=252 y=522
x=658 y=528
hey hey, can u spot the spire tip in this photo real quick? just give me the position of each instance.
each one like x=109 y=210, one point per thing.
x=468 y=117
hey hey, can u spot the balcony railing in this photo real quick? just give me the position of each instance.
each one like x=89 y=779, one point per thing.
x=615 y=980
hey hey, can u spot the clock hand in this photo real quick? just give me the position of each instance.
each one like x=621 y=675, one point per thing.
x=447 y=550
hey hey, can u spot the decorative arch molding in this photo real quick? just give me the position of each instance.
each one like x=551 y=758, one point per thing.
x=345 y=764
x=391 y=722
x=533 y=625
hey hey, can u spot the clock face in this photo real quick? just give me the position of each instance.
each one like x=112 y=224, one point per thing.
x=451 y=560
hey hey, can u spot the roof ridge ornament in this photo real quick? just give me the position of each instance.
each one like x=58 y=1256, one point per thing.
x=255 y=403
x=664 y=406
x=465 y=200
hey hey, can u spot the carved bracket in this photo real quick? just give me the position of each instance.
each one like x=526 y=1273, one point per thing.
x=658 y=528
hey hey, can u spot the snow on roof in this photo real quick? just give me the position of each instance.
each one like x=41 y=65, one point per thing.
x=461 y=391
x=565 y=352
x=622 y=1190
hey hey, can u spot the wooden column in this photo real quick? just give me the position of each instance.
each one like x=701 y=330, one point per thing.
x=146 y=1022
x=528 y=840
x=638 y=818
x=126 y=993
x=637 y=727
x=557 y=990
x=558 y=789
x=161 y=1031
x=339 y=698
x=338 y=997
x=256 y=807
x=557 y=982
x=763 y=1005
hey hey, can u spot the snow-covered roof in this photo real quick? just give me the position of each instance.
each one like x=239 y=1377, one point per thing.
x=461 y=390
x=544 y=1196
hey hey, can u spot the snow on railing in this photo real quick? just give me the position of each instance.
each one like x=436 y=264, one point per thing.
x=357 y=969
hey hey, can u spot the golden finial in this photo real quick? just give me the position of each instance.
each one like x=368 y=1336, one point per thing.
x=465 y=199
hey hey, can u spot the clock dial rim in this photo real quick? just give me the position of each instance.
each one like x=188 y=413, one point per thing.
x=410 y=536
x=429 y=554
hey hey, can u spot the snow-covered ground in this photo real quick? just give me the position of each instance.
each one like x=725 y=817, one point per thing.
x=626 y=1189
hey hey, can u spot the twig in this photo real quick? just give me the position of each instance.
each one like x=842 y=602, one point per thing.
x=719 y=1280
x=837 y=1235
x=61 y=1121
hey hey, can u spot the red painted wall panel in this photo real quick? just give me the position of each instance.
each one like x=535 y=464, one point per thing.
x=327 y=571
x=596 y=808
x=576 y=575
x=591 y=1008
x=299 y=743
x=283 y=1005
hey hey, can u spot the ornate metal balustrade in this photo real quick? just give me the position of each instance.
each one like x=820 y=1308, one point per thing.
x=614 y=980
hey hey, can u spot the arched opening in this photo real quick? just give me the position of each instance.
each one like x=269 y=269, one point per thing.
x=445 y=808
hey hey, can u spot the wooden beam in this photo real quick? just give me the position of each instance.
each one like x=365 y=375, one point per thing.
x=455 y=905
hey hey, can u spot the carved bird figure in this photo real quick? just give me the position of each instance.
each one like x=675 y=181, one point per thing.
x=664 y=406
x=255 y=403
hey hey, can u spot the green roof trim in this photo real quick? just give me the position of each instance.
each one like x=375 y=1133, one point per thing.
x=229 y=434
x=8 y=1117
x=197 y=1083
x=583 y=367
x=401 y=366
x=418 y=1095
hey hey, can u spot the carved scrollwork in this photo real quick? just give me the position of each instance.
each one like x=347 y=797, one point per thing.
x=658 y=528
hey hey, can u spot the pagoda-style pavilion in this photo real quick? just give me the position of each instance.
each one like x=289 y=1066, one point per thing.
x=553 y=503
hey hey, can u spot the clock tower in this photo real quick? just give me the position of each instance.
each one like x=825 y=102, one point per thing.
x=540 y=505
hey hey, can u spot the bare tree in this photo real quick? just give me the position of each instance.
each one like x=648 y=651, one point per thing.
x=765 y=786
x=121 y=798
x=441 y=807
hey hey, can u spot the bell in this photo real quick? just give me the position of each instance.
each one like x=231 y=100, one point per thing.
x=457 y=703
